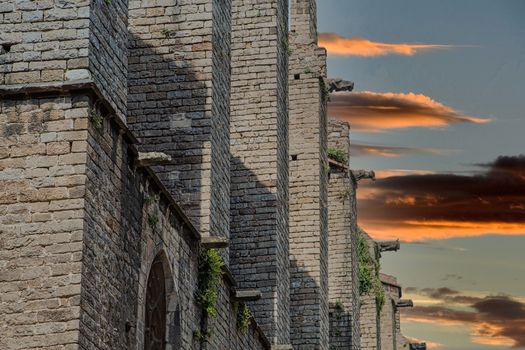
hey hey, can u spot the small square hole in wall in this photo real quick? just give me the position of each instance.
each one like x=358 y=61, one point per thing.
x=294 y=156
x=6 y=48
x=297 y=76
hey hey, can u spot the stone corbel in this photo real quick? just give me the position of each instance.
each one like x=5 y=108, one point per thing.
x=152 y=158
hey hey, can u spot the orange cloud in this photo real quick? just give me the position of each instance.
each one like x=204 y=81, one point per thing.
x=413 y=231
x=373 y=111
x=360 y=149
x=417 y=207
x=355 y=46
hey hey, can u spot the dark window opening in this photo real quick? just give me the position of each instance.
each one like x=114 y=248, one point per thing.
x=297 y=76
x=155 y=313
x=294 y=156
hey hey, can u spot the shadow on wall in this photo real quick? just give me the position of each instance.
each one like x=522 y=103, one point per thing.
x=112 y=244
x=166 y=113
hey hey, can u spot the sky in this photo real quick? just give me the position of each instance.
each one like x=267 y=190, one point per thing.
x=438 y=111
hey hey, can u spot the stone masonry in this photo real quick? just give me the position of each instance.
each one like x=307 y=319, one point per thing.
x=101 y=250
x=178 y=103
x=369 y=318
x=308 y=182
x=259 y=159
x=343 y=280
x=390 y=313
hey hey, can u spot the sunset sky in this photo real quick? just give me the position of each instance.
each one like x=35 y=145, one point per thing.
x=438 y=113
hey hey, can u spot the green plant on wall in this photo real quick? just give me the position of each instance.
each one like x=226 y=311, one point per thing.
x=153 y=220
x=338 y=155
x=368 y=272
x=211 y=267
x=149 y=200
x=244 y=317
x=95 y=118
x=346 y=193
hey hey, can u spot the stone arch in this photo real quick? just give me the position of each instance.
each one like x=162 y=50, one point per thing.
x=160 y=308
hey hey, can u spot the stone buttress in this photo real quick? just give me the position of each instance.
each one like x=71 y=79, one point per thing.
x=178 y=103
x=308 y=181
x=342 y=237
x=259 y=159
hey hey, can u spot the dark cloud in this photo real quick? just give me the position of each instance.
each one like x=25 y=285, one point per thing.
x=374 y=111
x=494 y=319
x=490 y=202
x=447 y=295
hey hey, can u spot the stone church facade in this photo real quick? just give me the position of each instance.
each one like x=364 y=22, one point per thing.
x=165 y=180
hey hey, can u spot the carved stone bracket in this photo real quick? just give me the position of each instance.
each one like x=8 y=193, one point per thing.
x=389 y=246
x=247 y=295
x=339 y=84
x=405 y=303
x=214 y=242
x=364 y=174
x=152 y=158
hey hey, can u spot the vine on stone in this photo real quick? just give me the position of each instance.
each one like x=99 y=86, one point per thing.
x=369 y=281
x=210 y=272
x=244 y=317
x=338 y=155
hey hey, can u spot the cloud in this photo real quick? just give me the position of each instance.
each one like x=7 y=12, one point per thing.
x=493 y=320
x=437 y=206
x=361 y=149
x=452 y=276
x=355 y=46
x=374 y=112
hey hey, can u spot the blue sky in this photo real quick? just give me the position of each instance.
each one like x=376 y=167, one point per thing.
x=480 y=75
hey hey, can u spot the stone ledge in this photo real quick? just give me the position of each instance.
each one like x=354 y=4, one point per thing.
x=46 y=87
x=210 y=242
x=247 y=295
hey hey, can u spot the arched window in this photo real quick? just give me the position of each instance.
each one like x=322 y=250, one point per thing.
x=155 y=313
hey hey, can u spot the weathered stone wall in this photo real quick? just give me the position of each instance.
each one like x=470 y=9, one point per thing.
x=342 y=238
x=259 y=159
x=388 y=325
x=178 y=103
x=370 y=315
x=125 y=230
x=108 y=50
x=42 y=179
x=48 y=41
x=43 y=41
x=308 y=183
x=391 y=337
x=370 y=325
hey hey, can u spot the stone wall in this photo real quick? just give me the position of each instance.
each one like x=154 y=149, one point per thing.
x=370 y=325
x=42 y=184
x=342 y=238
x=89 y=223
x=259 y=159
x=43 y=41
x=47 y=41
x=369 y=317
x=308 y=183
x=108 y=50
x=128 y=225
x=178 y=103
x=390 y=328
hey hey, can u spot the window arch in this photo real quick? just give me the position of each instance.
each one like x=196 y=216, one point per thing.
x=155 y=308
